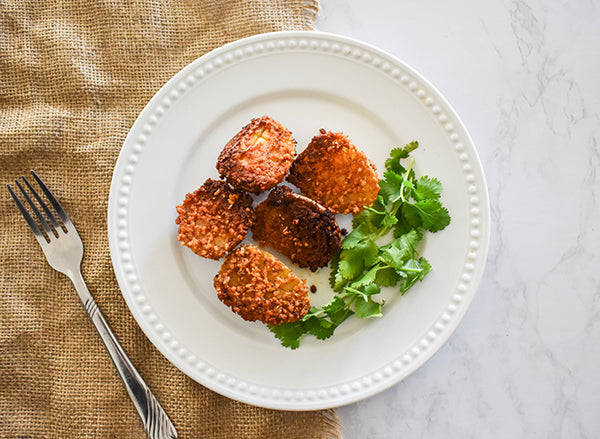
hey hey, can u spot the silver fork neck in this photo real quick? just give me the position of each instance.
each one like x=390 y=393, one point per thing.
x=82 y=290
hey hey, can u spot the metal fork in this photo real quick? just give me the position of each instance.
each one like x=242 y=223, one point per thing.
x=64 y=250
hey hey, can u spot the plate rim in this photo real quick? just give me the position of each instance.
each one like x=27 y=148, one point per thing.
x=390 y=374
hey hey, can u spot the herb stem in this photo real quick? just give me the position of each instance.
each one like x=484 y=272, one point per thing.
x=376 y=211
x=403 y=186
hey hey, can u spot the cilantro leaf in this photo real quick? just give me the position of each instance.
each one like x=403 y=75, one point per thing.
x=401 y=249
x=434 y=215
x=372 y=217
x=387 y=277
x=389 y=221
x=334 y=305
x=402 y=153
x=393 y=163
x=347 y=270
x=360 y=233
x=367 y=308
x=427 y=188
x=371 y=289
x=399 y=153
x=289 y=333
x=425 y=267
x=336 y=281
x=391 y=186
x=410 y=215
x=320 y=327
x=365 y=279
x=353 y=261
x=337 y=310
x=410 y=147
x=413 y=270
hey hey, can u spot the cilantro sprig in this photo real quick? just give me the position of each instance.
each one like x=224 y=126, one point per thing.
x=406 y=208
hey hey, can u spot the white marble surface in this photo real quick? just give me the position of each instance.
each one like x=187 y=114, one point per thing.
x=524 y=76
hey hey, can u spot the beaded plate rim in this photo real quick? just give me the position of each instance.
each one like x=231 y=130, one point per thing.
x=388 y=374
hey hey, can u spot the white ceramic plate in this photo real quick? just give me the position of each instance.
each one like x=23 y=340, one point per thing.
x=307 y=81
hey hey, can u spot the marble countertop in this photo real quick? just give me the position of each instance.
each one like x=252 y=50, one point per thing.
x=524 y=76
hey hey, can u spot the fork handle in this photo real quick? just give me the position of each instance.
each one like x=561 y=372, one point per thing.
x=156 y=422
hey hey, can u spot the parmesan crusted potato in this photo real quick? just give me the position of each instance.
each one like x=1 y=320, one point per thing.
x=258 y=157
x=257 y=286
x=332 y=171
x=297 y=227
x=214 y=219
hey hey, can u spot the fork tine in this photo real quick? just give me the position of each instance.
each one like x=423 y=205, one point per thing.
x=38 y=214
x=30 y=221
x=49 y=214
x=59 y=209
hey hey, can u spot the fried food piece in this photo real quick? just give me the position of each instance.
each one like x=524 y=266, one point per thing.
x=258 y=157
x=257 y=286
x=297 y=227
x=214 y=219
x=334 y=172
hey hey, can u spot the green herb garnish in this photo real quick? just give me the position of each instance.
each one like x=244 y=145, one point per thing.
x=406 y=207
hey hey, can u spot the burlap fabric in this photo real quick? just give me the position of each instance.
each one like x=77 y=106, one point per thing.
x=74 y=75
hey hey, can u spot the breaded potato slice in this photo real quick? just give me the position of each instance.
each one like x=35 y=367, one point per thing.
x=332 y=171
x=298 y=227
x=259 y=156
x=257 y=286
x=214 y=219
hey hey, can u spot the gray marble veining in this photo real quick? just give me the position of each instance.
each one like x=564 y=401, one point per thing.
x=524 y=76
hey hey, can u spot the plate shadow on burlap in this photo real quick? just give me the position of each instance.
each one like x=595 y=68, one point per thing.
x=74 y=76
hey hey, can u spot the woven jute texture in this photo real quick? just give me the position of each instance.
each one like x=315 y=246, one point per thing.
x=74 y=75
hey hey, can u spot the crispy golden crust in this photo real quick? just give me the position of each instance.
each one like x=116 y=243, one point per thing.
x=258 y=157
x=257 y=286
x=334 y=172
x=214 y=219
x=297 y=227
